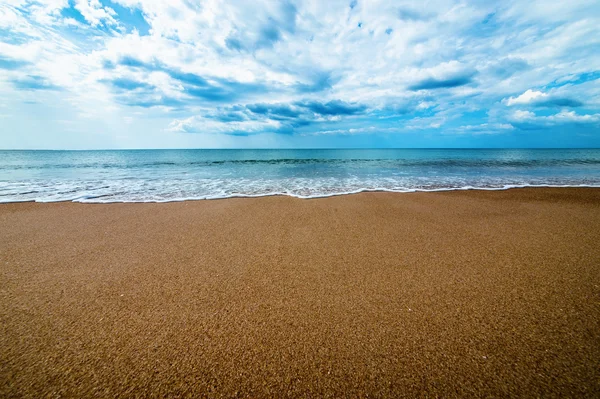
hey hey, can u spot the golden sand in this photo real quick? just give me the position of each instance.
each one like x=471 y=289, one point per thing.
x=377 y=294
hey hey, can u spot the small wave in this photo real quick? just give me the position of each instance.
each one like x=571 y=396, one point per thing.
x=341 y=193
x=163 y=176
x=124 y=197
x=356 y=162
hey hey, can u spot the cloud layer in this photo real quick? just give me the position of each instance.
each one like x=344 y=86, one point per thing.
x=148 y=73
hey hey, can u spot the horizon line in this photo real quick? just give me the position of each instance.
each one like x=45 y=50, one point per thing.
x=301 y=148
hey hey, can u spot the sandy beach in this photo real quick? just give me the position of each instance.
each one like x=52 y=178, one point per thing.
x=465 y=293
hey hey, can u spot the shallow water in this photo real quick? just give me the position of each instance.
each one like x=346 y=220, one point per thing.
x=174 y=175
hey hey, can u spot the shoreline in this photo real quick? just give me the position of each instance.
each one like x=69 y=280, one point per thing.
x=362 y=191
x=455 y=293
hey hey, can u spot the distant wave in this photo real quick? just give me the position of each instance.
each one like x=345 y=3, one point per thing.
x=441 y=163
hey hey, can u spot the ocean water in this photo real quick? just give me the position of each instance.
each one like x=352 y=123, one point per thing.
x=174 y=175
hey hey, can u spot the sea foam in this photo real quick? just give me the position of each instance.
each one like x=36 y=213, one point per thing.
x=178 y=175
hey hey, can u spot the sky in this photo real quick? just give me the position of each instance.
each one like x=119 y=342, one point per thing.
x=94 y=74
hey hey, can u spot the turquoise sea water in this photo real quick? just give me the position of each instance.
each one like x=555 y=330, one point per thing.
x=172 y=175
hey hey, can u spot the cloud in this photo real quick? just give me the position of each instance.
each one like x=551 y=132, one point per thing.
x=189 y=78
x=433 y=83
x=94 y=13
x=275 y=117
x=300 y=67
x=11 y=64
x=225 y=92
x=564 y=117
x=234 y=44
x=34 y=82
x=270 y=29
x=320 y=80
x=353 y=131
x=336 y=107
x=526 y=98
x=561 y=102
x=129 y=84
x=509 y=66
x=520 y=115
x=486 y=128
x=275 y=111
x=571 y=116
x=445 y=75
x=189 y=87
x=151 y=101
x=200 y=124
x=409 y=14
x=268 y=35
x=540 y=99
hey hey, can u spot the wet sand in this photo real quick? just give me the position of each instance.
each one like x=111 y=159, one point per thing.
x=447 y=294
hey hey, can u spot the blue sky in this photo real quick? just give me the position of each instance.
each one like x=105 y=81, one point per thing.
x=84 y=74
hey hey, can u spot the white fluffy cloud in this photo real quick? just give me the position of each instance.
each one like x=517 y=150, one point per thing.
x=520 y=115
x=199 y=124
x=443 y=65
x=571 y=116
x=561 y=117
x=526 y=98
x=94 y=13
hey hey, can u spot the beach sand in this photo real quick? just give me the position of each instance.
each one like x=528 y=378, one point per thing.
x=465 y=293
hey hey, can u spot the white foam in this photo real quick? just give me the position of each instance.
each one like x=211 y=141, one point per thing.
x=136 y=199
x=132 y=190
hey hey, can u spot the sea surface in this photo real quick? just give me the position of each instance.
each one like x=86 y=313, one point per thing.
x=175 y=175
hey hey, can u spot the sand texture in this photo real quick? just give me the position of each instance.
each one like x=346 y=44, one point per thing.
x=454 y=294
